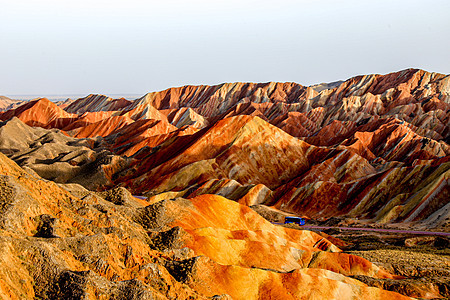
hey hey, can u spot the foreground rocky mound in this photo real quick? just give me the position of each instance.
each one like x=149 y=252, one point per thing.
x=63 y=241
x=58 y=157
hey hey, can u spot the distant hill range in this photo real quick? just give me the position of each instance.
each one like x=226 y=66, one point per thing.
x=374 y=147
x=7 y=103
x=64 y=97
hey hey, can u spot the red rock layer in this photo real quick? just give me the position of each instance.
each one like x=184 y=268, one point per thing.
x=95 y=103
x=104 y=127
x=41 y=113
x=89 y=118
x=334 y=146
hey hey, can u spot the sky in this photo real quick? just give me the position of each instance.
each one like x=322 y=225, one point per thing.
x=50 y=47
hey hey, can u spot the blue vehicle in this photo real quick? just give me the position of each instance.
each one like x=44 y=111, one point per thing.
x=295 y=220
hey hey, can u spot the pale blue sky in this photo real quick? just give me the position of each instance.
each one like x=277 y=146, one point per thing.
x=133 y=46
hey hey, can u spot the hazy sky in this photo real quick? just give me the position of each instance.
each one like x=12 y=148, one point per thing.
x=133 y=46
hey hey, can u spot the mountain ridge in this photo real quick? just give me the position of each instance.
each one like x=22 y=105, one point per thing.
x=188 y=138
x=215 y=167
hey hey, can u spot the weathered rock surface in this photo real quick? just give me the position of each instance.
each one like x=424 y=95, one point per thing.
x=97 y=103
x=67 y=242
x=41 y=113
x=58 y=157
x=372 y=147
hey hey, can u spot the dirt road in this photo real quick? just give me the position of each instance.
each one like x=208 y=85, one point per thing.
x=378 y=230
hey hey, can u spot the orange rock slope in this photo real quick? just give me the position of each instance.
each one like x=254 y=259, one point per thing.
x=63 y=241
x=41 y=113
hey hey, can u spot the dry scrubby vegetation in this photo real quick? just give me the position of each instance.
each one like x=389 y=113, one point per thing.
x=423 y=260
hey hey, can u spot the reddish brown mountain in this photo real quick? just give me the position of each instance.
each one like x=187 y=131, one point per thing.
x=371 y=150
x=41 y=113
x=94 y=103
x=367 y=147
